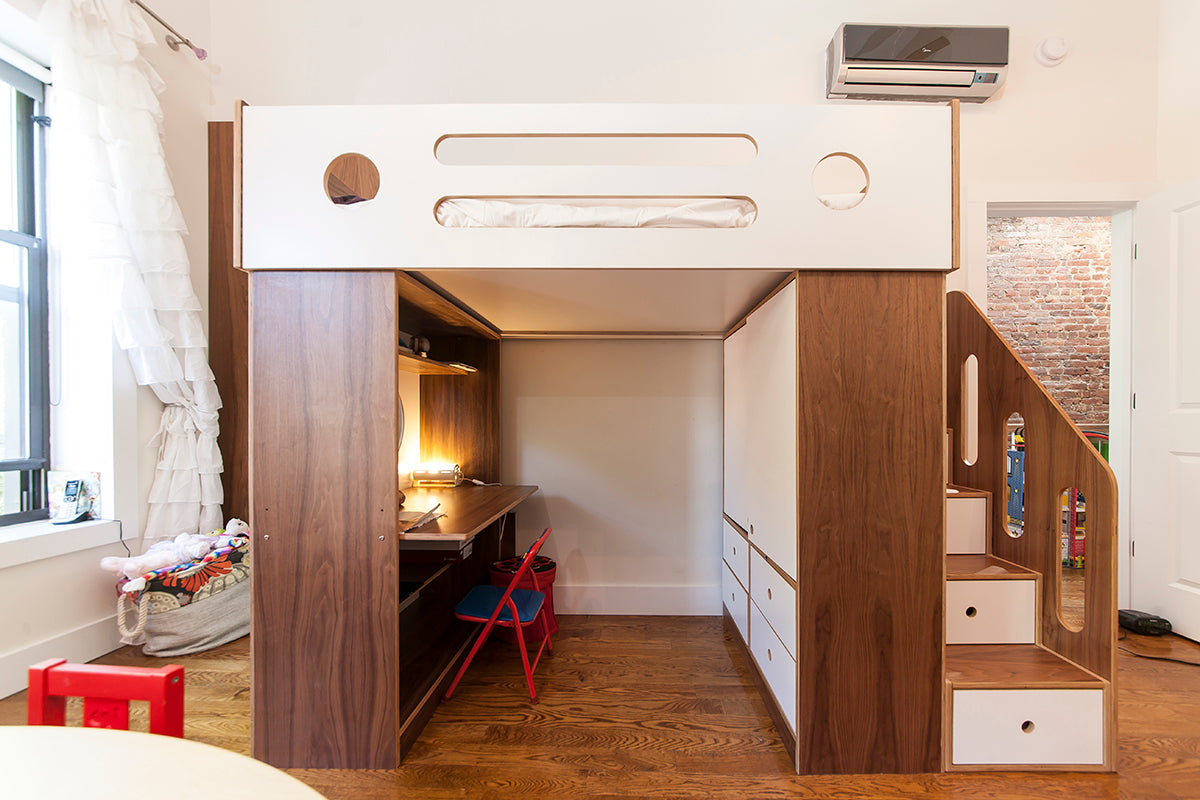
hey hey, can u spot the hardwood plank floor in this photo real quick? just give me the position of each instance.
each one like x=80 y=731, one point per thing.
x=665 y=707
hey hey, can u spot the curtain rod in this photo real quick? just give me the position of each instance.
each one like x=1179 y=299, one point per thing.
x=174 y=38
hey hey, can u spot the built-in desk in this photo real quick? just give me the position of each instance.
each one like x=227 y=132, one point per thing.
x=438 y=564
x=467 y=510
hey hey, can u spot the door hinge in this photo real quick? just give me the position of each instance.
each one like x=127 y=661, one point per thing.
x=1132 y=548
x=1135 y=251
x=1135 y=399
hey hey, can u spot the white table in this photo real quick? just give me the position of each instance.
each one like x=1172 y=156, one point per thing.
x=48 y=763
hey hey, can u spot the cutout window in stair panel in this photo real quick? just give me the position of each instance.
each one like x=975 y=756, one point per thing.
x=1015 y=494
x=1071 y=583
x=969 y=424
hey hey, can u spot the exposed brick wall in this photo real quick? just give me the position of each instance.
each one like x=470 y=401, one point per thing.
x=1048 y=293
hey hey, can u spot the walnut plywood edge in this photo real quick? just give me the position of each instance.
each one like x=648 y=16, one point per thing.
x=236 y=235
x=963 y=491
x=468 y=509
x=977 y=566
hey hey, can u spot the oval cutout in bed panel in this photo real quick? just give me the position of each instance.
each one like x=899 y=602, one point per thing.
x=589 y=150
x=595 y=212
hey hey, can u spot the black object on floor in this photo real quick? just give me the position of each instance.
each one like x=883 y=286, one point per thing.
x=1143 y=623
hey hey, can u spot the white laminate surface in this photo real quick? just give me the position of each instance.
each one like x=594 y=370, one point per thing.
x=52 y=763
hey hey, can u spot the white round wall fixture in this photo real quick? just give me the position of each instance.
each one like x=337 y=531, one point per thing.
x=1051 y=51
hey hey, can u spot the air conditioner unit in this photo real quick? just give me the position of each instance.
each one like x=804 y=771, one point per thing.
x=902 y=62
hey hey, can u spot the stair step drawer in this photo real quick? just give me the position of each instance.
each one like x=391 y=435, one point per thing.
x=966 y=525
x=1028 y=726
x=775 y=598
x=991 y=612
x=736 y=552
x=776 y=665
x=736 y=601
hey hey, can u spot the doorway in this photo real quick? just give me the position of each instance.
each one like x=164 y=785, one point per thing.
x=1049 y=288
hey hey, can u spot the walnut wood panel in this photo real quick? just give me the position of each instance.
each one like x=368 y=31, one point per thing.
x=228 y=324
x=429 y=308
x=871 y=518
x=1012 y=666
x=460 y=414
x=323 y=459
x=1057 y=456
x=468 y=508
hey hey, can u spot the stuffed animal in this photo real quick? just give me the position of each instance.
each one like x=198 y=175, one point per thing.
x=184 y=548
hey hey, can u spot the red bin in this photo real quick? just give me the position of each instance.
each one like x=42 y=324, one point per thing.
x=502 y=574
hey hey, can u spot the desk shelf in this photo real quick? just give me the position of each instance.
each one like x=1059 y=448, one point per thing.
x=410 y=362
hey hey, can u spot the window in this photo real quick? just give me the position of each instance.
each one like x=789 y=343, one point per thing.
x=24 y=398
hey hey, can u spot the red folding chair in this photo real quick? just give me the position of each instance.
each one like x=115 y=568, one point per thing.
x=507 y=607
x=106 y=692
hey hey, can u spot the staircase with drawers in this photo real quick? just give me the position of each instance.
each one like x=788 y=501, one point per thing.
x=1010 y=703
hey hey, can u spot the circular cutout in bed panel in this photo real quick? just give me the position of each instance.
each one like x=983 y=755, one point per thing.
x=351 y=178
x=840 y=181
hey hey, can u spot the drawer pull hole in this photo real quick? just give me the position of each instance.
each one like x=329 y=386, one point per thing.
x=732 y=597
x=735 y=549
x=971 y=611
x=769 y=593
x=1027 y=726
x=768 y=654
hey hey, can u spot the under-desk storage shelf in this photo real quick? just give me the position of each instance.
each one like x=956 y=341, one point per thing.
x=409 y=362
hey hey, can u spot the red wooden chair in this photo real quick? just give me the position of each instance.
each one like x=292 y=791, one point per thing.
x=507 y=607
x=106 y=692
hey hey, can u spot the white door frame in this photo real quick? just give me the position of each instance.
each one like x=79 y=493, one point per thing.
x=1117 y=201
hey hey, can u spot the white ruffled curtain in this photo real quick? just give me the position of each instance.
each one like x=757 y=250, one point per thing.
x=115 y=208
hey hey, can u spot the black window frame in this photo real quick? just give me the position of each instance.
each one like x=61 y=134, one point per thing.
x=31 y=235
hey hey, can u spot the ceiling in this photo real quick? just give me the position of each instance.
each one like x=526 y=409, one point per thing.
x=614 y=302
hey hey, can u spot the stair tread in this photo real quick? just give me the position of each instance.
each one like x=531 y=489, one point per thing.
x=1013 y=666
x=978 y=566
x=954 y=490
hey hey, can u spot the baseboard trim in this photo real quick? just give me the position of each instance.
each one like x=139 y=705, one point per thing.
x=81 y=644
x=689 y=600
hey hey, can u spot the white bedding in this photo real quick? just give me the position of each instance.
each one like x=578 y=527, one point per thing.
x=596 y=212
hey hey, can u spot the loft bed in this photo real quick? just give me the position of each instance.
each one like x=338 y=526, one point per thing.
x=353 y=218
x=762 y=159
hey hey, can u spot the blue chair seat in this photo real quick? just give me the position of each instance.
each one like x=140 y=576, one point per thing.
x=481 y=601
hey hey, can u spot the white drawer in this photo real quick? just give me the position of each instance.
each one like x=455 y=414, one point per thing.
x=1028 y=726
x=991 y=612
x=776 y=665
x=736 y=552
x=736 y=600
x=775 y=598
x=966 y=525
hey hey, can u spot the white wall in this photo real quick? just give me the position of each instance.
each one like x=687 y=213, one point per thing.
x=1092 y=119
x=624 y=440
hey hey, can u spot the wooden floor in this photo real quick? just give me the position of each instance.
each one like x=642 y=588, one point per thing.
x=637 y=707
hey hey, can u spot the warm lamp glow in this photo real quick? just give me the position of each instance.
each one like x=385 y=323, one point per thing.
x=437 y=473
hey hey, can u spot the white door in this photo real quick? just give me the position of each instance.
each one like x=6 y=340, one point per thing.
x=1165 y=485
x=736 y=419
x=771 y=431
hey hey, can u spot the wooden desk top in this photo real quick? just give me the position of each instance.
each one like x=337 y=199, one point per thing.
x=468 y=509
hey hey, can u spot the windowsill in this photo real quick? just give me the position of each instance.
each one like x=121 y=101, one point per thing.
x=34 y=541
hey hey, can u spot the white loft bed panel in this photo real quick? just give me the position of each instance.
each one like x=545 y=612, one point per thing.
x=289 y=223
